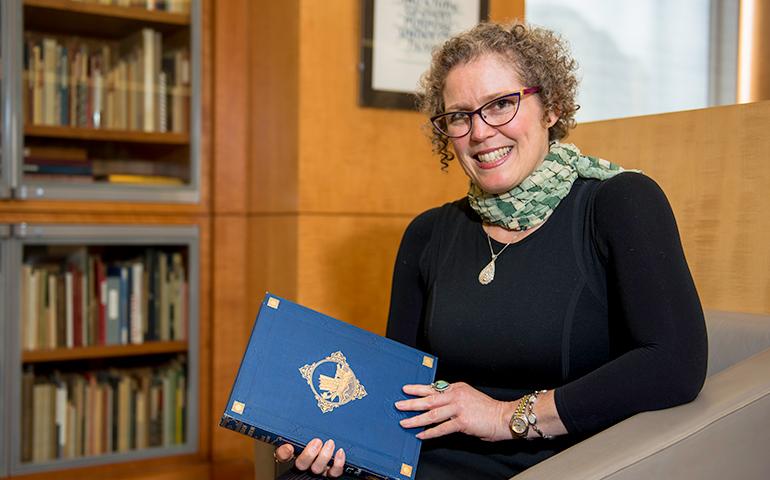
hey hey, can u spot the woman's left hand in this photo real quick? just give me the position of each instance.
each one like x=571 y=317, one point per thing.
x=459 y=408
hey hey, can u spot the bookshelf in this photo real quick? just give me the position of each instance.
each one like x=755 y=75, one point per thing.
x=114 y=188
x=104 y=101
x=139 y=379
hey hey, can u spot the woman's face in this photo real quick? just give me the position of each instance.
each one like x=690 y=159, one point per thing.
x=496 y=159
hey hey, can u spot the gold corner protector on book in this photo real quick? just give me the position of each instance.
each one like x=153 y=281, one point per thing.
x=427 y=361
x=238 y=407
x=273 y=302
x=406 y=470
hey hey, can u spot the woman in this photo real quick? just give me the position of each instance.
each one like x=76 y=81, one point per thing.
x=556 y=294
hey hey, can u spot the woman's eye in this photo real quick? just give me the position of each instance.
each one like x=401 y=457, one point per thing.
x=456 y=118
x=502 y=104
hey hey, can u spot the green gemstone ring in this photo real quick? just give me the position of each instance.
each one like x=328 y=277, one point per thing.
x=440 y=385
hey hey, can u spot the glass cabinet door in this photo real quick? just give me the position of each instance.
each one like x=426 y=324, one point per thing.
x=130 y=352
x=100 y=100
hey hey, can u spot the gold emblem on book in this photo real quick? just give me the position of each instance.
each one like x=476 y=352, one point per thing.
x=332 y=392
x=406 y=470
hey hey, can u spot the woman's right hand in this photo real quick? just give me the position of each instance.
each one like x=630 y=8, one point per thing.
x=314 y=457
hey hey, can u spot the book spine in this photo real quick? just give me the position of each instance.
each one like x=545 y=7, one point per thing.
x=125 y=326
x=113 y=311
x=264 y=436
x=136 y=299
x=69 y=306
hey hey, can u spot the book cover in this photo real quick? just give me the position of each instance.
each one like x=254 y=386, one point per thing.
x=306 y=375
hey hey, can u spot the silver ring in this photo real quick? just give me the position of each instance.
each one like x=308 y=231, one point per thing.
x=440 y=386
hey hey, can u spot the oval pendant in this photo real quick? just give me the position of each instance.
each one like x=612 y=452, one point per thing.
x=487 y=273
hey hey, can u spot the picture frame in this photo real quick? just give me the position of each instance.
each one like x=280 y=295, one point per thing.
x=397 y=37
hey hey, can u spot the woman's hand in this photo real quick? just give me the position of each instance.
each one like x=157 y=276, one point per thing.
x=459 y=408
x=315 y=457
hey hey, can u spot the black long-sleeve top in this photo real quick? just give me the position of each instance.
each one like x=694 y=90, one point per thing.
x=598 y=304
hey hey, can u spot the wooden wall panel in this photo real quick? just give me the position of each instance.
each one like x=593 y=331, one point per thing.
x=712 y=164
x=355 y=159
x=272 y=258
x=346 y=266
x=273 y=109
x=205 y=416
x=231 y=326
x=231 y=106
x=506 y=10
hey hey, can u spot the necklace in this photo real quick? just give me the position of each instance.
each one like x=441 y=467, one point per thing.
x=487 y=274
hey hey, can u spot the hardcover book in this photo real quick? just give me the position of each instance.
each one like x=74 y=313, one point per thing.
x=306 y=375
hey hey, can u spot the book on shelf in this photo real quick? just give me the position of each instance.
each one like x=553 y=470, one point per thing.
x=306 y=375
x=94 y=412
x=129 y=179
x=173 y=6
x=133 y=84
x=102 y=168
x=81 y=299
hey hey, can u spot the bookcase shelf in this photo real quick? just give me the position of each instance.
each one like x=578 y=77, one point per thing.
x=124 y=285
x=142 y=198
x=102 y=351
x=93 y=19
x=102 y=101
x=106 y=135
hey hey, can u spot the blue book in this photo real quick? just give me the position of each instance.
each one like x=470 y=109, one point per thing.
x=113 y=306
x=306 y=375
x=125 y=327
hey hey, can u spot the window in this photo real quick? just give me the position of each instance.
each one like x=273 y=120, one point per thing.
x=639 y=58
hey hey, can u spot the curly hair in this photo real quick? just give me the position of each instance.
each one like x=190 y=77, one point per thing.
x=539 y=56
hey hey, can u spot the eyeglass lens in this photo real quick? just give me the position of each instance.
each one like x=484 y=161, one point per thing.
x=495 y=113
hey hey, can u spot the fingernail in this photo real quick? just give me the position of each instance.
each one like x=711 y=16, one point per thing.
x=314 y=445
x=398 y=404
x=340 y=453
x=329 y=445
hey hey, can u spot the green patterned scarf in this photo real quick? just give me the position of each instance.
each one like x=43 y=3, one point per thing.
x=532 y=201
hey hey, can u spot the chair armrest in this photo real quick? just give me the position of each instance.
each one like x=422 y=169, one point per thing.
x=734 y=336
x=724 y=433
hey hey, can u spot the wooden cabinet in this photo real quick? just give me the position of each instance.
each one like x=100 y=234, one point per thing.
x=101 y=343
x=101 y=101
x=103 y=206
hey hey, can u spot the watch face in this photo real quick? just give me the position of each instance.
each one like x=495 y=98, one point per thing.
x=519 y=425
x=532 y=419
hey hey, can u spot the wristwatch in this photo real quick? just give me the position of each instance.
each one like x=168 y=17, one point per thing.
x=519 y=425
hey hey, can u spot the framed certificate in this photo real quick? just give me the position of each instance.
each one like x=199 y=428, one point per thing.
x=397 y=37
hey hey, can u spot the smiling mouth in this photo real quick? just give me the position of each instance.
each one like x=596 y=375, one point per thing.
x=493 y=156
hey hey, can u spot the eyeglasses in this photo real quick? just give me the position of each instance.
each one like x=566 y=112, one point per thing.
x=495 y=113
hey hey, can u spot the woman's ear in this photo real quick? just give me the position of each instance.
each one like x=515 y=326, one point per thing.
x=550 y=118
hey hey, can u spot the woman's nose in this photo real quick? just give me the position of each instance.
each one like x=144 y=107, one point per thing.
x=480 y=130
